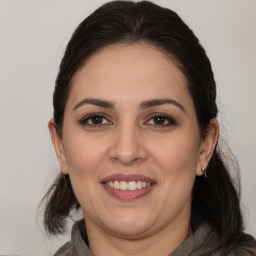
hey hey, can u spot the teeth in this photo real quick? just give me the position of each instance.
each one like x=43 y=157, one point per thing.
x=123 y=185
x=116 y=185
x=139 y=184
x=111 y=184
x=131 y=185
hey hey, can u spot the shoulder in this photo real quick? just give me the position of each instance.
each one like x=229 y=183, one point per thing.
x=77 y=246
x=66 y=250
x=245 y=246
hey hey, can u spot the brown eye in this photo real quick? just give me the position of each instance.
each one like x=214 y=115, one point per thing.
x=94 y=120
x=161 y=120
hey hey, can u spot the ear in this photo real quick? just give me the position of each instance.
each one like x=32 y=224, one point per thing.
x=207 y=146
x=58 y=146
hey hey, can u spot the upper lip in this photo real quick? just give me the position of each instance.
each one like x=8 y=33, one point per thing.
x=127 y=178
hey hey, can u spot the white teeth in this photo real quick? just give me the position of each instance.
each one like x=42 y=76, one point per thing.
x=123 y=185
x=111 y=184
x=139 y=184
x=131 y=185
x=116 y=185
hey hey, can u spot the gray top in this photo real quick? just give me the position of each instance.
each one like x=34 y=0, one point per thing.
x=204 y=242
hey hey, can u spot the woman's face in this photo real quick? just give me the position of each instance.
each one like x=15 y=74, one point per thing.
x=131 y=143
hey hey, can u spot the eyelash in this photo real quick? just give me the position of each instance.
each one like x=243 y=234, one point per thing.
x=171 y=121
x=85 y=121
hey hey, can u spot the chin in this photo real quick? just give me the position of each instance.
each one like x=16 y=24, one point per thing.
x=129 y=231
x=130 y=226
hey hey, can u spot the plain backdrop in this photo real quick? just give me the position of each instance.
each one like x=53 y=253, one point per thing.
x=33 y=36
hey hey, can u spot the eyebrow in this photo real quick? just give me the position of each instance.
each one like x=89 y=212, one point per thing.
x=143 y=105
x=97 y=102
x=158 y=102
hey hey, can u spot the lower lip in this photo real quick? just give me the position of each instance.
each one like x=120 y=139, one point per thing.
x=128 y=195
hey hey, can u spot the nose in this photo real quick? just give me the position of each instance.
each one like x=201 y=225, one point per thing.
x=128 y=146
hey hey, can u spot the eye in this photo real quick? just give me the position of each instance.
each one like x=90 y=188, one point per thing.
x=161 y=120
x=94 y=120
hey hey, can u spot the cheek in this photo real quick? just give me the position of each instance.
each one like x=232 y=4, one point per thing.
x=177 y=160
x=82 y=153
x=178 y=153
x=83 y=156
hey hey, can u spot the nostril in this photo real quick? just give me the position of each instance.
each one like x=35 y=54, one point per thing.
x=128 y=147
x=128 y=158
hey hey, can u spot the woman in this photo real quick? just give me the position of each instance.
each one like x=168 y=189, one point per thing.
x=135 y=134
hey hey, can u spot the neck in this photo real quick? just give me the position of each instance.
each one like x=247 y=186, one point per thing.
x=160 y=243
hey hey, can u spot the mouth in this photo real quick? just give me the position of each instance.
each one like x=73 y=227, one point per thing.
x=128 y=187
x=131 y=185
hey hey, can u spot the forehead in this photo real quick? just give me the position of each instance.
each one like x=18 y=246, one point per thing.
x=136 y=71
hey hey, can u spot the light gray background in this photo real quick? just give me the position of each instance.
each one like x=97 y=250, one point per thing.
x=33 y=35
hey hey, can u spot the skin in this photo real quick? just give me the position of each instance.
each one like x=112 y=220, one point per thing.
x=129 y=140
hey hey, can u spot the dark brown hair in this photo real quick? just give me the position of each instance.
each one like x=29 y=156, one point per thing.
x=215 y=198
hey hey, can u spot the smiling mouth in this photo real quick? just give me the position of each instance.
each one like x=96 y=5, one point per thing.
x=128 y=187
x=131 y=185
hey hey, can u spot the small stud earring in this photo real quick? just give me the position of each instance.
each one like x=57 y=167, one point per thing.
x=203 y=169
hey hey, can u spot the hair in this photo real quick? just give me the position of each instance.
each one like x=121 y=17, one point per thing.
x=215 y=198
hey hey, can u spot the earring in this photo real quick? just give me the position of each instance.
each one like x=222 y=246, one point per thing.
x=203 y=169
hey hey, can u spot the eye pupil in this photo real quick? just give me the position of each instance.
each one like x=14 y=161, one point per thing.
x=159 y=120
x=97 y=119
